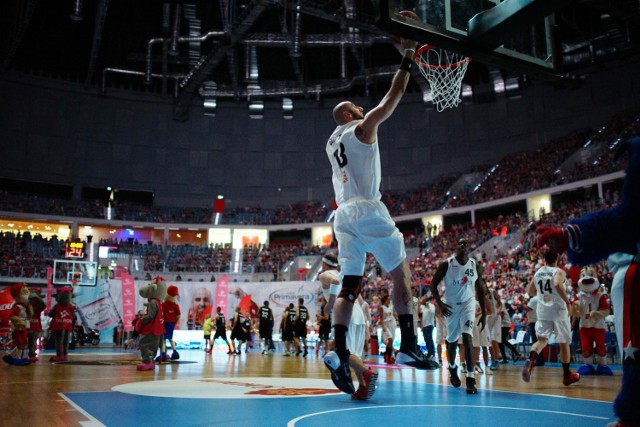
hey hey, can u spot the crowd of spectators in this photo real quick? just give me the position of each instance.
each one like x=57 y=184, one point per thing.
x=24 y=255
x=509 y=270
x=543 y=168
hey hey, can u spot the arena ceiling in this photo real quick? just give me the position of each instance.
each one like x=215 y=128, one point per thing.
x=183 y=51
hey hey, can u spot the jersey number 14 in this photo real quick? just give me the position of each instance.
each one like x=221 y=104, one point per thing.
x=545 y=286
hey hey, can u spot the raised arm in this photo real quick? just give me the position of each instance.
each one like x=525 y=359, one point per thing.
x=367 y=130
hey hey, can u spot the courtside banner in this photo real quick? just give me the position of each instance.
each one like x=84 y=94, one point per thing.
x=128 y=301
x=222 y=294
x=49 y=296
x=6 y=304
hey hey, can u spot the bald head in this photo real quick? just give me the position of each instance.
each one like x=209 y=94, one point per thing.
x=347 y=111
x=338 y=112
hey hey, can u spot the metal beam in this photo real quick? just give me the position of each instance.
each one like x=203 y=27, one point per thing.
x=202 y=70
x=98 y=31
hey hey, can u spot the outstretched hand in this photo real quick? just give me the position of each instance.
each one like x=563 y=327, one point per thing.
x=482 y=322
x=445 y=309
x=408 y=43
x=556 y=238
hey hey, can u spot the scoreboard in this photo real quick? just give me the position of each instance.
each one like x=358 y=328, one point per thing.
x=74 y=250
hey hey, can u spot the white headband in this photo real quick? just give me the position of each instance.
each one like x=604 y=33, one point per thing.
x=329 y=262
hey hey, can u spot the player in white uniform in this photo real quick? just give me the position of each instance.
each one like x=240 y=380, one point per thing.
x=463 y=283
x=362 y=222
x=389 y=326
x=441 y=334
x=494 y=326
x=330 y=280
x=552 y=311
x=481 y=340
x=427 y=323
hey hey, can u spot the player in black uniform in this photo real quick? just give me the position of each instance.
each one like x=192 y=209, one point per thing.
x=287 y=328
x=324 y=329
x=265 y=316
x=302 y=315
x=247 y=324
x=237 y=330
x=221 y=329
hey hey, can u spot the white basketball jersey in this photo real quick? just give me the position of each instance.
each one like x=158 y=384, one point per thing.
x=550 y=305
x=494 y=303
x=460 y=281
x=355 y=165
x=428 y=315
x=388 y=320
x=590 y=302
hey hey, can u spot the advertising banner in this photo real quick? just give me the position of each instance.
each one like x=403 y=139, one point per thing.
x=222 y=294
x=49 y=296
x=6 y=304
x=128 y=301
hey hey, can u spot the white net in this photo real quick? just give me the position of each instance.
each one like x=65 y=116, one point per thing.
x=444 y=71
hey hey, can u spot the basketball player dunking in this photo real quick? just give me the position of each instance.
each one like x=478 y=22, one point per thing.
x=363 y=224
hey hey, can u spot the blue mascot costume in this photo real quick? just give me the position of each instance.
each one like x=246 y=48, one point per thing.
x=614 y=234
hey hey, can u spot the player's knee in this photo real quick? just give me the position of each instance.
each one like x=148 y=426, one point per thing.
x=350 y=288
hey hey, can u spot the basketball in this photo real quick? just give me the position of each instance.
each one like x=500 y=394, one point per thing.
x=406 y=14
x=409 y=14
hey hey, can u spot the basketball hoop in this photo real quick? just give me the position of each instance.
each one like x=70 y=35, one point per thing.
x=444 y=71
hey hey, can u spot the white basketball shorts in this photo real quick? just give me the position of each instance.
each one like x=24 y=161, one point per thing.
x=461 y=320
x=362 y=226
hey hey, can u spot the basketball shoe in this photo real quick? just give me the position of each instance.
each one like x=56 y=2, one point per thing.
x=471 y=386
x=340 y=372
x=454 y=379
x=366 y=390
x=573 y=377
x=526 y=371
x=415 y=359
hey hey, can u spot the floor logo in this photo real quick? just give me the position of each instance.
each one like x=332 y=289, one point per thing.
x=218 y=388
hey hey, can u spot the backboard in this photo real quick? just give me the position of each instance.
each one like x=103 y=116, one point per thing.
x=515 y=35
x=76 y=273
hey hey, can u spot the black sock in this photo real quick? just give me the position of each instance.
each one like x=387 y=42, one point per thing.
x=340 y=336
x=566 y=369
x=407 y=334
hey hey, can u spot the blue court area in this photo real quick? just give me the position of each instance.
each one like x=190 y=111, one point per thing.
x=308 y=402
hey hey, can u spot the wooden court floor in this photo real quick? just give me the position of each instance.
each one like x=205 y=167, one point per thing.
x=34 y=395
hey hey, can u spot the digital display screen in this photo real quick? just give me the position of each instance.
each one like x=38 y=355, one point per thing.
x=74 y=250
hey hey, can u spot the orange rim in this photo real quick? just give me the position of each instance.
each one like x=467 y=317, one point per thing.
x=426 y=47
